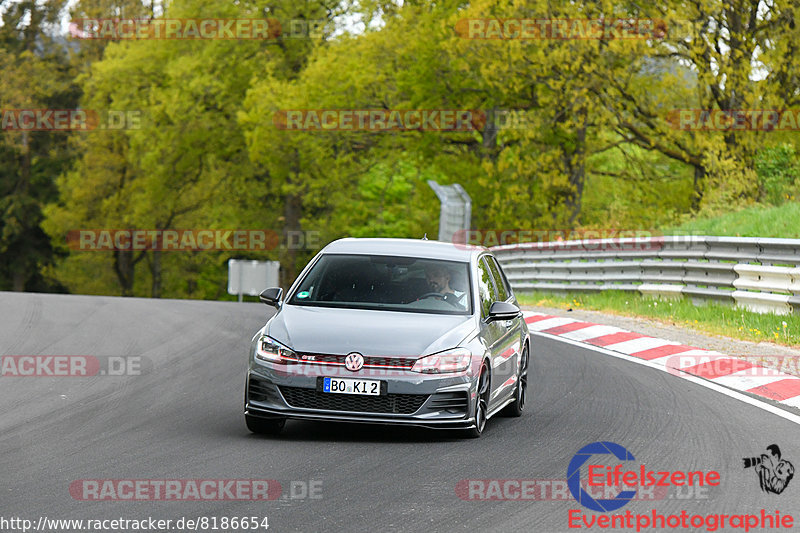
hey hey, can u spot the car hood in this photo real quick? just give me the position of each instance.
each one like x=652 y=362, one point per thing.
x=382 y=333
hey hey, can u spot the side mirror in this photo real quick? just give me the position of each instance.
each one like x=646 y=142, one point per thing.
x=503 y=311
x=272 y=296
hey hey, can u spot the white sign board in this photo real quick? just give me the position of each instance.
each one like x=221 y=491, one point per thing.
x=251 y=277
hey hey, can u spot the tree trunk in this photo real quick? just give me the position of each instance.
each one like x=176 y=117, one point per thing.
x=124 y=267
x=489 y=136
x=21 y=274
x=576 y=170
x=699 y=184
x=155 y=271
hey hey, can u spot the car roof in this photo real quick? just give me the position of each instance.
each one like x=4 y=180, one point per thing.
x=447 y=251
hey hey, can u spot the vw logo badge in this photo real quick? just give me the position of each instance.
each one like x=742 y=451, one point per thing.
x=354 y=361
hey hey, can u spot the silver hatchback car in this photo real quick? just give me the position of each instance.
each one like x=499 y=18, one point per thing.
x=391 y=331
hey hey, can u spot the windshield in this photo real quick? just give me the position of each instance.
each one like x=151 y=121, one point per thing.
x=386 y=282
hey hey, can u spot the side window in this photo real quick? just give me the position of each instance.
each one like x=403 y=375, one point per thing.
x=485 y=288
x=503 y=290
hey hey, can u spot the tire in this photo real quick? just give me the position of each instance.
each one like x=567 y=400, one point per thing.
x=481 y=404
x=264 y=426
x=515 y=408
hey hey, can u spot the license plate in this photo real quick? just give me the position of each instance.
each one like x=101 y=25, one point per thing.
x=368 y=387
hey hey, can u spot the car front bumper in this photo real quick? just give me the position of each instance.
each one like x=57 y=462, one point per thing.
x=293 y=391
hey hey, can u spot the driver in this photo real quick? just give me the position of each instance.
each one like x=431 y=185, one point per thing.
x=438 y=278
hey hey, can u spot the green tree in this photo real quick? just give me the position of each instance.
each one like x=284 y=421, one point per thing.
x=187 y=166
x=36 y=75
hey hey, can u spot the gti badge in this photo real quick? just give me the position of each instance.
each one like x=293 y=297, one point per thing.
x=354 y=361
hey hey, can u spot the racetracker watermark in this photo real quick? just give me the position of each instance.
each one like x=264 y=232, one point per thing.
x=194 y=489
x=713 y=366
x=69 y=119
x=561 y=29
x=734 y=120
x=170 y=240
x=72 y=366
x=512 y=119
x=557 y=490
x=379 y=119
x=197 y=29
x=580 y=239
x=207 y=28
x=95 y=490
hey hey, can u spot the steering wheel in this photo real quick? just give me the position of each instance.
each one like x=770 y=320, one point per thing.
x=432 y=295
x=437 y=295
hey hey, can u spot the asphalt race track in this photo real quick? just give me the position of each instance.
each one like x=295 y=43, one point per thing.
x=181 y=418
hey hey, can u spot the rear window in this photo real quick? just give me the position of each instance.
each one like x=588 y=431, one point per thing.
x=386 y=283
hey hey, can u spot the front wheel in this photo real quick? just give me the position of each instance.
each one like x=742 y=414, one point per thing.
x=264 y=426
x=481 y=404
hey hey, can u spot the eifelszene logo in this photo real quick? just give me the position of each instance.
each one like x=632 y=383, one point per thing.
x=774 y=473
x=617 y=477
x=574 y=476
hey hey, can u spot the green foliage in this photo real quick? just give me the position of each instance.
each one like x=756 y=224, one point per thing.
x=391 y=201
x=633 y=188
x=595 y=147
x=778 y=171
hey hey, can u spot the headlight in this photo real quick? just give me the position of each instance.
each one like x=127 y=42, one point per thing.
x=456 y=360
x=270 y=350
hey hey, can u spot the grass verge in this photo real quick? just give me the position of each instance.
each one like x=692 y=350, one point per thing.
x=757 y=221
x=711 y=318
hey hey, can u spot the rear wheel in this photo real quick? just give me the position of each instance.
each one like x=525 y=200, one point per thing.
x=264 y=426
x=481 y=404
x=521 y=392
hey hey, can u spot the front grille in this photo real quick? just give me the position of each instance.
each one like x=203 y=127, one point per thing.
x=369 y=360
x=389 y=361
x=401 y=404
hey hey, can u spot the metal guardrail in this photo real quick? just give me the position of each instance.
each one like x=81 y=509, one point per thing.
x=758 y=274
